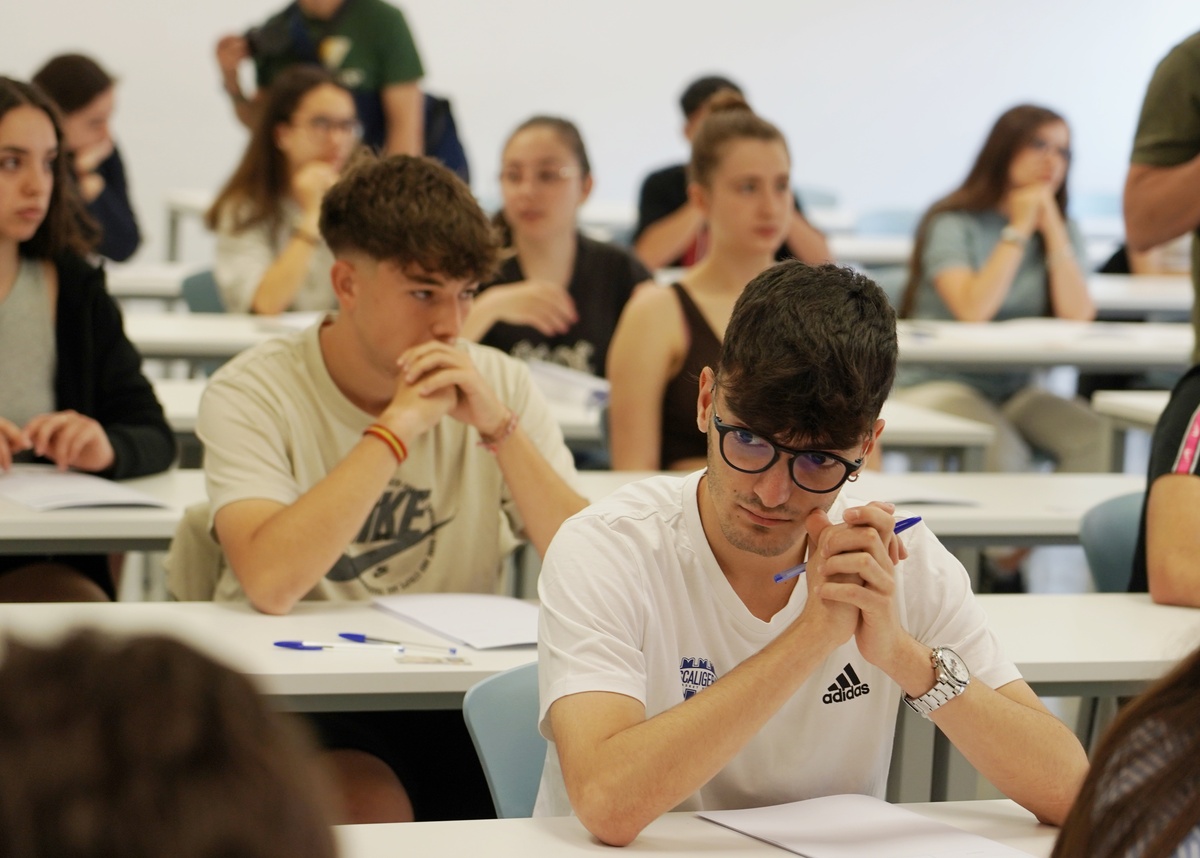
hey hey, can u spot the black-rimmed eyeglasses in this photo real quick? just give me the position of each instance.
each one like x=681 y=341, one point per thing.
x=816 y=471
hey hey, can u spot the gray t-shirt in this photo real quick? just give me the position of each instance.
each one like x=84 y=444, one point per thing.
x=966 y=240
x=27 y=347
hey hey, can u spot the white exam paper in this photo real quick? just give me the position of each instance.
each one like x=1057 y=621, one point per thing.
x=856 y=826
x=478 y=620
x=44 y=488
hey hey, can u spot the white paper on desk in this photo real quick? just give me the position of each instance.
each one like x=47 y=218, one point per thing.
x=912 y=496
x=44 y=488
x=562 y=384
x=856 y=826
x=480 y=621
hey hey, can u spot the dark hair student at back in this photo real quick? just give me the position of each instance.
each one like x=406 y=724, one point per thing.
x=409 y=211
x=143 y=747
x=73 y=81
x=809 y=354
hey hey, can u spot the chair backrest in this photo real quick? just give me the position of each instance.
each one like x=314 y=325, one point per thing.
x=1108 y=533
x=501 y=714
x=200 y=293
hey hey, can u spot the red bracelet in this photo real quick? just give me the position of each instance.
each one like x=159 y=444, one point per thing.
x=491 y=442
x=387 y=436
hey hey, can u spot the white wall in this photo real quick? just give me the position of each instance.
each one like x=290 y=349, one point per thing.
x=883 y=101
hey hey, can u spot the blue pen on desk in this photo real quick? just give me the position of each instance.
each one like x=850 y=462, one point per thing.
x=315 y=645
x=797 y=570
x=367 y=639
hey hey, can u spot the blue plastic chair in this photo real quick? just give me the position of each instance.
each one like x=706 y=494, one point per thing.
x=200 y=293
x=501 y=714
x=1108 y=534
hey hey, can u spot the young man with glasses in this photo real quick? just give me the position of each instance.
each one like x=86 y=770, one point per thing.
x=677 y=673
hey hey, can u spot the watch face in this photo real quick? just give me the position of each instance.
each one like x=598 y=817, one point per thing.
x=954 y=666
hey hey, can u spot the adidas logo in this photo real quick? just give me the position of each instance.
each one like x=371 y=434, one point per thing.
x=847 y=687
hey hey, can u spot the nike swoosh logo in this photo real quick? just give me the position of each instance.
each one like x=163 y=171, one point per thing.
x=348 y=568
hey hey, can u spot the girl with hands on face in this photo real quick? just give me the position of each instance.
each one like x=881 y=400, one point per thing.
x=1001 y=247
x=71 y=387
x=558 y=294
x=86 y=95
x=270 y=255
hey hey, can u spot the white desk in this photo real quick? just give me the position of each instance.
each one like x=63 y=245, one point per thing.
x=672 y=834
x=1141 y=295
x=181 y=203
x=82 y=531
x=303 y=681
x=200 y=336
x=1131 y=409
x=877 y=250
x=160 y=281
x=999 y=508
x=909 y=427
x=1027 y=344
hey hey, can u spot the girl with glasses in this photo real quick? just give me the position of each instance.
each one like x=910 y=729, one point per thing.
x=558 y=293
x=739 y=178
x=71 y=388
x=270 y=256
x=1001 y=247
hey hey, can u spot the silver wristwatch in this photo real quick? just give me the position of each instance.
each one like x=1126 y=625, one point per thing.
x=952 y=680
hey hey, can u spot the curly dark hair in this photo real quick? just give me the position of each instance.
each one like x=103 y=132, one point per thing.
x=409 y=211
x=809 y=355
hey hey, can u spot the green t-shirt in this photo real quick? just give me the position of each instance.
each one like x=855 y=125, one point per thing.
x=367 y=46
x=1168 y=132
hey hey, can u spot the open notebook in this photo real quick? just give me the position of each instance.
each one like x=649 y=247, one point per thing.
x=43 y=488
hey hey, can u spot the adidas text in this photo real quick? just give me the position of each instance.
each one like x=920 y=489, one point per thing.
x=846 y=694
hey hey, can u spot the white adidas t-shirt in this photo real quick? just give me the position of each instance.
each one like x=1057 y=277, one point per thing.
x=633 y=602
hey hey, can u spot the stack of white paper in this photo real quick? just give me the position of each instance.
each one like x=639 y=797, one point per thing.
x=477 y=620
x=41 y=487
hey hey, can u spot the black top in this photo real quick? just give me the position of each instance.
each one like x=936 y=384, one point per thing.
x=1175 y=450
x=99 y=373
x=603 y=278
x=681 y=439
x=663 y=193
x=112 y=211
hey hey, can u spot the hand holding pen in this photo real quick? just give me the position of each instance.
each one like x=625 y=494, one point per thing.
x=800 y=568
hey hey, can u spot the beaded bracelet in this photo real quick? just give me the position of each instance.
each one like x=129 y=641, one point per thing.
x=490 y=443
x=387 y=436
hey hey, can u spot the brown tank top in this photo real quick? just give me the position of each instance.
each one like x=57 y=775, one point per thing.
x=680 y=437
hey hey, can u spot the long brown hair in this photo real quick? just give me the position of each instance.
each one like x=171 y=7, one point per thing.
x=255 y=192
x=986 y=183
x=143 y=747
x=729 y=118
x=1172 y=705
x=67 y=226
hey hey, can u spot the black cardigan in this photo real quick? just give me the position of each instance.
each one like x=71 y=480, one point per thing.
x=99 y=373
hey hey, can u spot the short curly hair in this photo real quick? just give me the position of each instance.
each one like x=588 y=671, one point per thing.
x=409 y=211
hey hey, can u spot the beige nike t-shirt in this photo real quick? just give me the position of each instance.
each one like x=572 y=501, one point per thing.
x=273 y=424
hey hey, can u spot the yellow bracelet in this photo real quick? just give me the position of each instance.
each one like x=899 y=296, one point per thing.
x=491 y=442
x=387 y=436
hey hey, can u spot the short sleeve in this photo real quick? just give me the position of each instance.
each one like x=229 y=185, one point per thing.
x=662 y=194
x=1168 y=130
x=947 y=245
x=400 y=61
x=592 y=617
x=245 y=447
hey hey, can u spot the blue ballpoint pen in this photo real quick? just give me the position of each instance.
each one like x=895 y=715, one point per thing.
x=797 y=570
x=357 y=637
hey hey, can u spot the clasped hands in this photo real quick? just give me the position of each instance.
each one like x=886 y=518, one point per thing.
x=67 y=438
x=851 y=579
x=435 y=379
